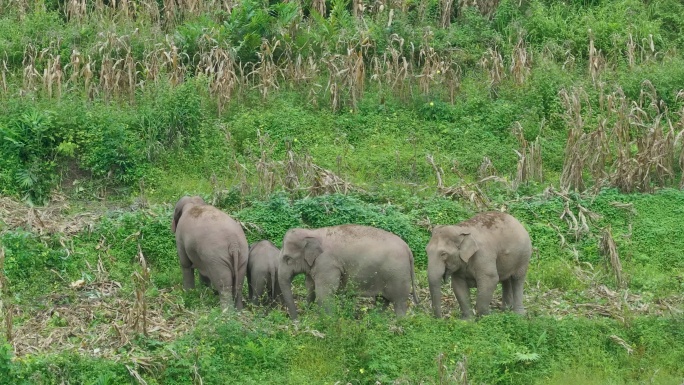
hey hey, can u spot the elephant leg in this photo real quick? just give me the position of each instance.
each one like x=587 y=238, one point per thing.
x=384 y=302
x=250 y=288
x=485 y=290
x=310 y=288
x=205 y=280
x=462 y=293
x=259 y=290
x=239 y=282
x=507 y=294
x=400 y=307
x=186 y=269
x=325 y=286
x=223 y=280
x=517 y=294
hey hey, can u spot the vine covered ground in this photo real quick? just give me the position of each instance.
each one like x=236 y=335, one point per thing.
x=396 y=114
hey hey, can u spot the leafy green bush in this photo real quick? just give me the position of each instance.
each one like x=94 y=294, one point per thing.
x=28 y=259
x=30 y=145
x=67 y=368
x=150 y=229
x=271 y=219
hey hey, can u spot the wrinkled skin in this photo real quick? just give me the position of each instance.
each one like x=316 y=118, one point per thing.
x=262 y=272
x=378 y=263
x=209 y=240
x=489 y=248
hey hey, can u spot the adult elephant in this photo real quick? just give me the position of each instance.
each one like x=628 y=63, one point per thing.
x=379 y=263
x=262 y=272
x=489 y=248
x=209 y=240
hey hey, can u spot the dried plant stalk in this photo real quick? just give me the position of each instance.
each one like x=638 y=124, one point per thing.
x=529 y=158
x=446 y=7
x=486 y=7
x=521 y=62
x=597 y=61
x=141 y=280
x=571 y=177
x=52 y=76
x=75 y=10
x=6 y=308
x=266 y=70
x=219 y=66
x=492 y=63
x=31 y=75
x=3 y=75
x=608 y=248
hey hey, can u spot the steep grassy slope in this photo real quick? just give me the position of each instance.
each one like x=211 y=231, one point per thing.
x=566 y=114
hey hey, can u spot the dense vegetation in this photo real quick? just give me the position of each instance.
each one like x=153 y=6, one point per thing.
x=397 y=114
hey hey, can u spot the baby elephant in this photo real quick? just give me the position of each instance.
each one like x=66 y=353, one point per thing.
x=376 y=261
x=209 y=240
x=262 y=272
x=489 y=248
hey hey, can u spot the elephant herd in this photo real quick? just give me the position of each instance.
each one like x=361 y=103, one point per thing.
x=480 y=252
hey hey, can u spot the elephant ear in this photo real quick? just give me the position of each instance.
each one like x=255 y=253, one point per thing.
x=468 y=247
x=178 y=211
x=176 y=216
x=312 y=249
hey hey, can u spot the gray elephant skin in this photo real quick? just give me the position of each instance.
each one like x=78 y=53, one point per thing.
x=209 y=240
x=262 y=272
x=377 y=262
x=489 y=248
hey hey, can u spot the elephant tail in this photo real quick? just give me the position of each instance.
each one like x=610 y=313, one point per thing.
x=234 y=252
x=274 y=276
x=413 y=280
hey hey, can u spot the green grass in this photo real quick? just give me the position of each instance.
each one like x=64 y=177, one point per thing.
x=130 y=161
x=567 y=335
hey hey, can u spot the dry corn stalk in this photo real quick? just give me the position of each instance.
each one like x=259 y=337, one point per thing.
x=470 y=192
x=31 y=75
x=219 y=66
x=571 y=177
x=170 y=12
x=75 y=10
x=319 y=6
x=597 y=61
x=150 y=8
x=346 y=73
x=447 y=9
x=172 y=62
x=486 y=168
x=521 y=62
x=432 y=65
x=395 y=68
x=3 y=78
x=608 y=248
x=6 y=308
x=631 y=51
x=267 y=169
x=266 y=70
x=492 y=63
x=141 y=280
x=529 y=158
x=578 y=224
x=52 y=76
x=486 y=7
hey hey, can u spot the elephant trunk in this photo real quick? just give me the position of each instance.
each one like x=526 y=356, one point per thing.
x=285 y=283
x=435 y=276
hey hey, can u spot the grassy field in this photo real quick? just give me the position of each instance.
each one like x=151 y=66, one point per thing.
x=401 y=115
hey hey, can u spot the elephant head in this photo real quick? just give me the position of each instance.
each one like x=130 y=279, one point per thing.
x=450 y=248
x=300 y=249
x=183 y=204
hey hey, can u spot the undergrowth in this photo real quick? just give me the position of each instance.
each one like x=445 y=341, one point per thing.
x=399 y=115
